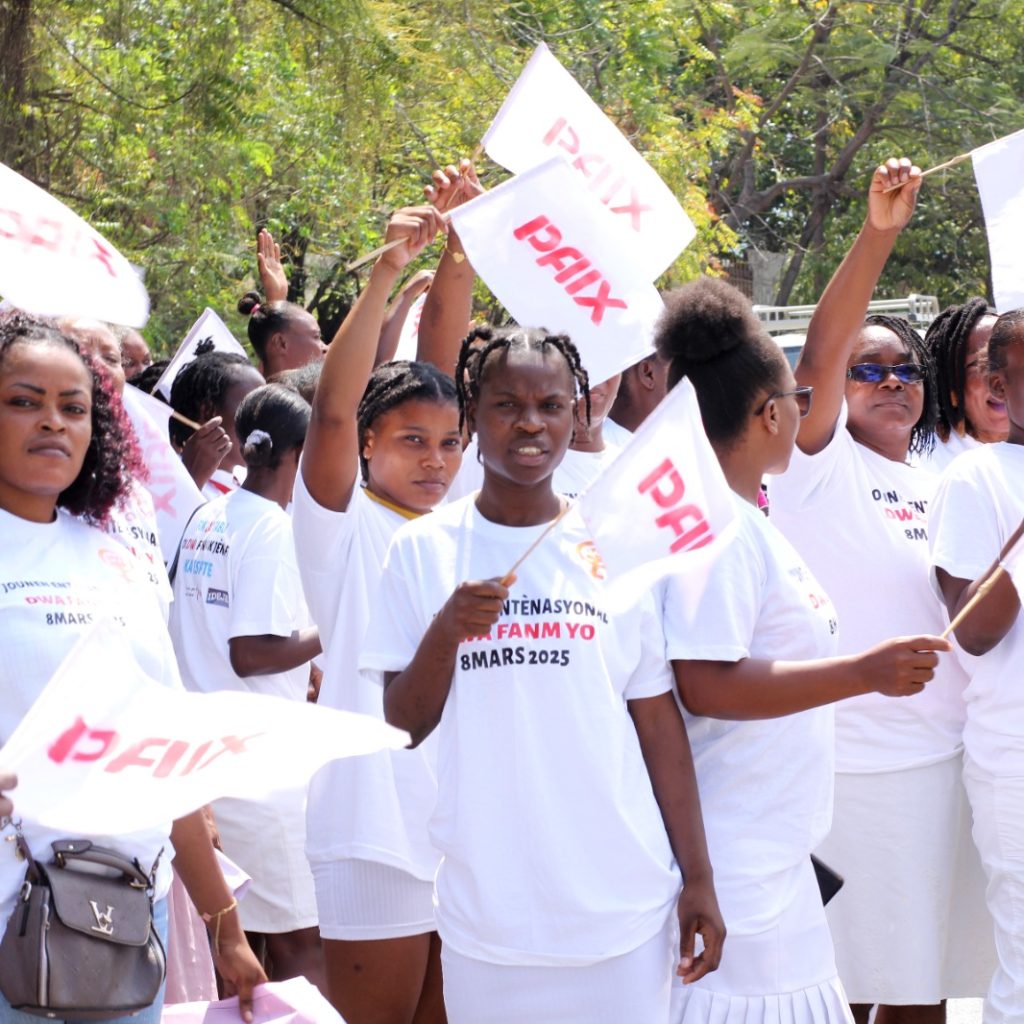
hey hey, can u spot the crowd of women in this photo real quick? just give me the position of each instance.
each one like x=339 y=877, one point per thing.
x=603 y=816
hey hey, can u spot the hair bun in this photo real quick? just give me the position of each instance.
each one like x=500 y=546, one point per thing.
x=704 y=320
x=248 y=303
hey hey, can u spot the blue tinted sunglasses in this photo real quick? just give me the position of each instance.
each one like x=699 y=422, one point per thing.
x=875 y=373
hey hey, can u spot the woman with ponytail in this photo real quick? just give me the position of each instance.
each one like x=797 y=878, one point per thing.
x=239 y=622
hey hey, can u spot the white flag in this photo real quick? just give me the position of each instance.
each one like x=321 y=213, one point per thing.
x=105 y=749
x=663 y=505
x=174 y=493
x=546 y=250
x=999 y=170
x=53 y=264
x=548 y=113
x=409 y=339
x=209 y=327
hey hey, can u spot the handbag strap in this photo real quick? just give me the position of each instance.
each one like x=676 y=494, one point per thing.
x=66 y=850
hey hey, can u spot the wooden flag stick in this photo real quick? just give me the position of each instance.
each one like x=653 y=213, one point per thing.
x=506 y=580
x=379 y=251
x=931 y=170
x=989 y=580
x=185 y=420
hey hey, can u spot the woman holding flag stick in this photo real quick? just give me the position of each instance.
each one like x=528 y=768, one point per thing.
x=562 y=758
x=753 y=648
x=856 y=508
x=66 y=459
x=979 y=503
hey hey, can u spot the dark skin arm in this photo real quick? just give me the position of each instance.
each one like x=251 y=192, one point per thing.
x=197 y=866
x=266 y=654
x=394 y=319
x=8 y=780
x=754 y=688
x=991 y=619
x=839 y=314
x=666 y=752
x=415 y=697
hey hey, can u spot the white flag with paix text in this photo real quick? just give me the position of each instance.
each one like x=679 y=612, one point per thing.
x=547 y=252
x=547 y=113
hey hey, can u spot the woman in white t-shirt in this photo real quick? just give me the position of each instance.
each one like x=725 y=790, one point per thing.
x=910 y=927
x=753 y=649
x=562 y=758
x=969 y=414
x=382 y=447
x=239 y=622
x=979 y=504
x=65 y=460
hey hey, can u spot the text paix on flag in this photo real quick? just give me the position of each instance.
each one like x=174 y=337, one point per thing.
x=543 y=247
x=548 y=113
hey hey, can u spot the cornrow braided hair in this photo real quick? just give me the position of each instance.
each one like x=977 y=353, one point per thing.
x=396 y=382
x=947 y=341
x=922 y=437
x=482 y=342
x=200 y=387
x=112 y=460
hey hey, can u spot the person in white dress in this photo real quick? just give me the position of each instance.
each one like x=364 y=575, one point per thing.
x=753 y=646
x=910 y=926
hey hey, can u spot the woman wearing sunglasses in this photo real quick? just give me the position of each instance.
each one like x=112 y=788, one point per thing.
x=753 y=649
x=910 y=928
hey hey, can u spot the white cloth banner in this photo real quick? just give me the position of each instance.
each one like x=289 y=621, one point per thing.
x=663 y=505
x=209 y=327
x=295 y=1001
x=409 y=339
x=174 y=493
x=53 y=264
x=999 y=171
x=547 y=113
x=105 y=749
x=546 y=250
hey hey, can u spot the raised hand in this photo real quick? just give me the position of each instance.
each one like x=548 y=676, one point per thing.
x=452 y=186
x=268 y=259
x=417 y=226
x=205 y=450
x=892 y=210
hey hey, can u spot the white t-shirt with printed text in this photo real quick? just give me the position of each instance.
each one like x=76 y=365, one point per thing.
x=980 y=502
x=860 y=521
x=56 y=580
x=765 y=785
x=134 y=524
x=388 y=796
x=554 y=848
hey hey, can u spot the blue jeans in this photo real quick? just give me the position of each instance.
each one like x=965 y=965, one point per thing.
x=150 y=1015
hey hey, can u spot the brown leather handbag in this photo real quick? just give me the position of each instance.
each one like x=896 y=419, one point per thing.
x=80 y=944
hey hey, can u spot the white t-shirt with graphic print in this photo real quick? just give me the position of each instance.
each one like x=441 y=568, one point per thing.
x=554 y=848
x=860 y=521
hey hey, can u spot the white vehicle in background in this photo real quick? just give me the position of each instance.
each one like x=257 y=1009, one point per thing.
x=788 y=324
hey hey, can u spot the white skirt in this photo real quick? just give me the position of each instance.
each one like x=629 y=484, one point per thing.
x=267 y=840
x=633 y=987
x=360 y=899
x=783 y=975
x=910 y=925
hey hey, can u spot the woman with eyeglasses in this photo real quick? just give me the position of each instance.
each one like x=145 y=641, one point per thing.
x=753 y=647
x=910 y=929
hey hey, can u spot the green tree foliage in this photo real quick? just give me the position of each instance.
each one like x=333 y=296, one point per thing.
x=180 y=127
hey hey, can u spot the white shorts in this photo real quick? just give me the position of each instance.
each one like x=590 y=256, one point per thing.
x=633 y=987
x=361 y=899
x=910 y=926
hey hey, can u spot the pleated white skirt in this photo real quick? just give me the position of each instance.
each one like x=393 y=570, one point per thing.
x=783 y=975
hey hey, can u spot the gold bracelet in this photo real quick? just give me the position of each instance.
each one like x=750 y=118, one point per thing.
x=233 y=905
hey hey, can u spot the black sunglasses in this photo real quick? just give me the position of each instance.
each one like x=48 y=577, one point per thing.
x=875 y=373
x=801 y=394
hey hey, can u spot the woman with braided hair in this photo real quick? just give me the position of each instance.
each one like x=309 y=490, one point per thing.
x=969 y=414
x=909 y=928
x=566 y=803
x=382 y=447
